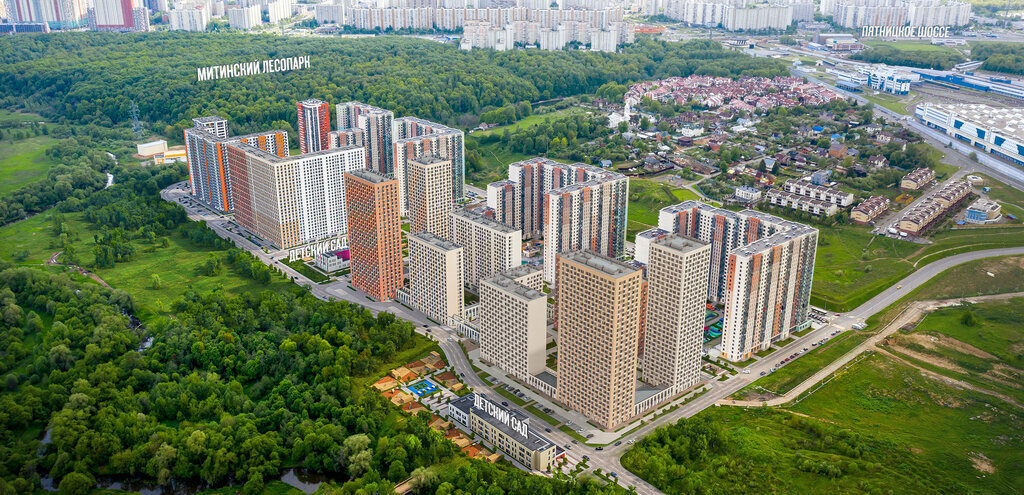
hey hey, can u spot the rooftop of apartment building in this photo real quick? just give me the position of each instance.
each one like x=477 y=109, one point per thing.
x=209 y=118
x=428 y=160
x=681 y=243
x=434 y=241
x=278 y=160
x=521 y=271
x=654 y=233
x=691 y=204
x=485 y=221
x=370 y=176
x=369 y=108
x=510 y=286
x=206 y=134
x=601 y=263
x=311 y=102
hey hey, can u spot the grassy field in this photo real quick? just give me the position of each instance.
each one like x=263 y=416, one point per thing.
x=764 y=450
x=496 y=161
x=529 y=121
x=852 y=265
x=964 y=437
x=890 y=101
x=795 y=372
x=980 y=344
x=176 y=265
x=917 y=46
x=23 y=161
x=973 y=279
x=646 y=198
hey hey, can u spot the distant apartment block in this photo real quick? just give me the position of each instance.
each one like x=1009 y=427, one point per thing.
x=245 y=18
x=314 y=124
x=574 y=207
x=372 y=127
x=435 y=277
x=291 y=200
x=118 y=15
x=414 y=138
x=375 y=233
x=209 y=176
x=430 y=199
x=822 y=193
x=799 y=202
x=598 y=316
x=491 y=247
x=189 y=17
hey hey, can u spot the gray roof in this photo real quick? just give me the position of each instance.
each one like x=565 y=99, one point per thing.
x=485 y=221
x=532 y=442
x=370 y=176
x=607 y=265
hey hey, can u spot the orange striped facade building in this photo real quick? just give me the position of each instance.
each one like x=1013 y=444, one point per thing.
x=375 y=233
x=209 y=176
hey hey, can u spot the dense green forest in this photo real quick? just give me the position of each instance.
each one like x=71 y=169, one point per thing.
x=736 y=451
x=925 y=59
x=231 y=391
x=1000 y=57
x=93 y=77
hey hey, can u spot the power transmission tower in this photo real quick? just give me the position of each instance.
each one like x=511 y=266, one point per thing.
x=136 y=125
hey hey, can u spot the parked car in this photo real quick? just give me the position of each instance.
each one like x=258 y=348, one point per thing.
x=504 y=403
x=762 y=373
x=618 y=443
x=547 y=430
x=599 y=448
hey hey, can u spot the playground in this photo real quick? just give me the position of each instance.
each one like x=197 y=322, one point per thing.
x=421 y=388
x=712 y=323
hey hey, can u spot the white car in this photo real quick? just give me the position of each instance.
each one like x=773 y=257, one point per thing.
x=746 y=372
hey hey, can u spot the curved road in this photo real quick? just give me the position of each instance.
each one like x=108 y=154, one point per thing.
x=609 y=458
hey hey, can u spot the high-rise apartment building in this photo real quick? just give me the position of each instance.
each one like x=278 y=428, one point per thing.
x=291 y=200
x=118 y=15
x=417 y=137
x=677 y=288
x=347 y=137
x=430 y=196
x=585 y=215
x=761 y=268
x=573 y=206
x=491 y=247
x=375 y=233
x=58 y=14
x=513 y=321
x=245 y=18
x=598 y=314
x=189 y=17
x=376 y=126
x=208 y=172
x=279 y=10
x=435 y=276
x=314 y=124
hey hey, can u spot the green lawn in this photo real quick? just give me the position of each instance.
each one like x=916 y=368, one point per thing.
x=542 y=415
x=496 y=161
x=646 y=198
x=508 y=395
x=311 y=273
x=973 y=279
x=529 y=121
x=852 y=265
x=176 y=265
x=983 y=350
x=932 y=422
x=917 y=46
x=890 y=101
x=23 y=161
x=796 y=371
